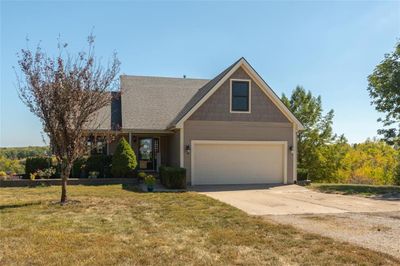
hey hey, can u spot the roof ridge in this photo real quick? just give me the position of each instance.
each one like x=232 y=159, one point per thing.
x=160 y=77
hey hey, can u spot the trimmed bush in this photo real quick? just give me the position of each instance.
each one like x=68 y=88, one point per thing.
x=302 y=174
x=173 y=177
x=78 y=168
x=99 y=163
x=33 y=164
x=124 y=160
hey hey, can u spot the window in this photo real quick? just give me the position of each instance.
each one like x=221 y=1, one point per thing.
x=240 y=96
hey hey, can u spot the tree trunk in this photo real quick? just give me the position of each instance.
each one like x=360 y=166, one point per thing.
x=64 y=178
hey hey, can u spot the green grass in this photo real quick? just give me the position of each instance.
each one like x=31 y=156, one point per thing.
x=112 y=225
x=352 y=189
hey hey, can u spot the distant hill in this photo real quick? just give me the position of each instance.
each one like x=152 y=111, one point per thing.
x=24 y=152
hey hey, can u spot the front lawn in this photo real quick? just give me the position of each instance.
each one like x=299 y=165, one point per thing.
x=351 y=189
x=112 y=225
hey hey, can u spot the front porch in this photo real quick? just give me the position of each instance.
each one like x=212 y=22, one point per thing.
x=152 y=149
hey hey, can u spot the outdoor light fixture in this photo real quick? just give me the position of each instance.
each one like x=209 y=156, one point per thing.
x=187 y=149
x=291 y=149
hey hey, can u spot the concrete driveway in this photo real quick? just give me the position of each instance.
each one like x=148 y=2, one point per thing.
x=293 y=199
x=371 y=223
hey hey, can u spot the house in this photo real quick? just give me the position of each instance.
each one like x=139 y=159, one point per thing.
x=232 y=129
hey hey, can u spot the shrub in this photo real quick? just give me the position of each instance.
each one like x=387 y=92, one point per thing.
x=12 y=165
x=124 y=160
x=99 y=163
x=33 y=164
x=302 y=174
x=32 y=176
x=93 y=174
x=397 y=176
x=78 y=168
x=46 y=173
x=149 y=180
x=173 y=177
x=3 y=175
x=142 y=175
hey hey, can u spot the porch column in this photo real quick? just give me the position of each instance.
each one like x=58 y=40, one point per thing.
x=130 y=139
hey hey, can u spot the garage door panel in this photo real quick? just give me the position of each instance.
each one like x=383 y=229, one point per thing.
x=237 y=163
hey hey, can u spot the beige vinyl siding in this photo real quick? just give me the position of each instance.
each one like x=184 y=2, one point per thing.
x=241 y=131
x=173 y=149
x=217 y=107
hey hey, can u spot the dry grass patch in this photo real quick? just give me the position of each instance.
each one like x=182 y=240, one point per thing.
x=359 y=190
x=112 y=225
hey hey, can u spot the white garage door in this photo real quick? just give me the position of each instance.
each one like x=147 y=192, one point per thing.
x=238 y=162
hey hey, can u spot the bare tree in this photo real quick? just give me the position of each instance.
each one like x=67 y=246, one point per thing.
x=66 y=93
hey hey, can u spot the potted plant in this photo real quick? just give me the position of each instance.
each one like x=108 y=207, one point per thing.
x=93 y=174
x=141 y=176
x=150 y=181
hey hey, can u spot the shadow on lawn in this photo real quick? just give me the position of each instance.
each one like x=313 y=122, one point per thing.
x=20 y=205
x=131 y=187
x=135 y=188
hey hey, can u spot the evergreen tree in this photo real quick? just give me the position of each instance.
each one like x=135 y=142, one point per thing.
x=124 y=159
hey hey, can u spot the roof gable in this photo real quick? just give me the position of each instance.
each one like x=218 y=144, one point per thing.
x=208 y=89
x=200 y=94
x=218 y=106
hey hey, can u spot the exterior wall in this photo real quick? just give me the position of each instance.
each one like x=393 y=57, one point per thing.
x=174 y=149
x=113 y=145
x=217 y=107
x=238 y=130
x=214 y=121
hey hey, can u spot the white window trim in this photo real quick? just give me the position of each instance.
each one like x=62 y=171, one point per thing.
x=230 y=96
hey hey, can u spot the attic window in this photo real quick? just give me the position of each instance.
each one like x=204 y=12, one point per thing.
x=240 y=96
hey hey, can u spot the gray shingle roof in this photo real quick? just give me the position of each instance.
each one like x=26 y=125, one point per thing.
x=152 y=103
x=158 y=103
x=200 y=94
x=108 y=117
x=100 y=120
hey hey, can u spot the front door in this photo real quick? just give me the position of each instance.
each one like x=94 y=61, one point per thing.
x=147 y=158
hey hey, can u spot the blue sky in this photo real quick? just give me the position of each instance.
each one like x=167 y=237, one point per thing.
x=327 y=47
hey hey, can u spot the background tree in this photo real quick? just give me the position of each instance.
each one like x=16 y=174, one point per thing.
x=384 y=89
x=371 y=162
x=317 y=134
x=66 y=92
x=24 y=152
x=124 y=159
